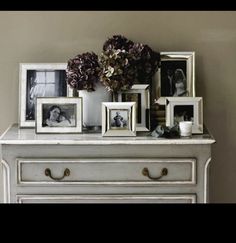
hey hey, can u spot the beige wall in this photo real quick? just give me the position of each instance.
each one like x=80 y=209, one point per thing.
x=57 y=36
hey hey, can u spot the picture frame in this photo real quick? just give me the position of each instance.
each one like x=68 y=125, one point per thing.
x=39 y=80
x=185 y=109
x=119 y=119
x=139 y=93
x=176 y=75
x=59 y=115
x=92 y=104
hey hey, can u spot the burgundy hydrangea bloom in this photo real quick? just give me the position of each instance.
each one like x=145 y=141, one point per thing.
x=117 y=71
x=117 y=42
x=146 y=61
x=83 y=71
x=143 y=62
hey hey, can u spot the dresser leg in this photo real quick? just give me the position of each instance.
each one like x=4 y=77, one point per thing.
x=6 y=181
x=206 y=181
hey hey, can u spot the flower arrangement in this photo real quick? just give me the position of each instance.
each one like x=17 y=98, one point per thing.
x=124 y=63
x=146 y=61
x=121 y=64
x=83 y=71
x=117 y=72
x=118 y=42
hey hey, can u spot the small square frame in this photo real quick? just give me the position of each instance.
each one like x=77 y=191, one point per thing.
x=108 y=108
x=142 y=106
x=196 y=102
x=59 y=102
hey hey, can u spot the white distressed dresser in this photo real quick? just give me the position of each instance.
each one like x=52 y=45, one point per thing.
x=89 y=168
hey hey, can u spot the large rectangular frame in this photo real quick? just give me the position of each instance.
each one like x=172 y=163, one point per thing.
x=143 y=89
x=197 y=103
x=24 y=67
x=189 y=57
x=59 y=101
x=107 y=107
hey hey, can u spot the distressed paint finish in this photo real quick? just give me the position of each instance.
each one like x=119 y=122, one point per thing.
x=102 y=170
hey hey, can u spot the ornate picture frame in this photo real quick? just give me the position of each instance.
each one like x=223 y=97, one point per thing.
x=185 y=109
x=176 y=75
x=59 y=115
x=140 y=94
x=39 y=80
x=119 y=119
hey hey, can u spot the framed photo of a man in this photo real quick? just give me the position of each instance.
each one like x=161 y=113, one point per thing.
x=176 y=75
x=39 y=80
x=185 y=109
x=119 y=119
x=59 y=115
x=140 y=94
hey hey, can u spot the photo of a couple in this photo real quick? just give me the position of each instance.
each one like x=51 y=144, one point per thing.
x=173 y=79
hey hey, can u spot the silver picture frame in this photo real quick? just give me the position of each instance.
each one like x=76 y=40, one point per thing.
x=119 y=119
x=175 y=76
x=185 y=108
x=39 y=80
x=59 y=115
x=140 y=94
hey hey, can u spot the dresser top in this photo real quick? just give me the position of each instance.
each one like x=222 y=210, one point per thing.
x=21 y=136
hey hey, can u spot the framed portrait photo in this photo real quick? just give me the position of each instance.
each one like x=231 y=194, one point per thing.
x=118 y=119
x=59 y=115
x=40 y=80
x=140 y=94
x=185 y=109
x=176 y=75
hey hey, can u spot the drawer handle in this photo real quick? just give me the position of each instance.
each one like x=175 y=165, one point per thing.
x=48 y=173
x=164 y=172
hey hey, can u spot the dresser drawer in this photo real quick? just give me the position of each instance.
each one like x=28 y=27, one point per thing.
x=188 y=198
x=110 y=171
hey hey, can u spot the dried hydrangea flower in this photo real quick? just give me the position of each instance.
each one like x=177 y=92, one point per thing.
x=83 y=71
x=117 y=42
x=117 y=72
x=142 y=58
x=146 y=61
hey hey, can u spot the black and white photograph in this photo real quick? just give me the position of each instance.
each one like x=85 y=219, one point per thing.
x=183 y=113
x=43 y=83
x=55 y=115
x=185 y=109
x=140 y=94
x=119 y=119
x=59 y=115
x=173 y=78
x=176 y=75
x=40 y=80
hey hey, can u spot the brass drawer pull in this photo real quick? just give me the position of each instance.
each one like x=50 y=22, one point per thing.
x=164 y=172
x=48 y=173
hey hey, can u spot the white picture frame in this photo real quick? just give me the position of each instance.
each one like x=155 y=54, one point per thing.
x=59 y=115
x=39 y=80
x=140 y=94
x=185 y=108
x=175 y=76
x=119 y=119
